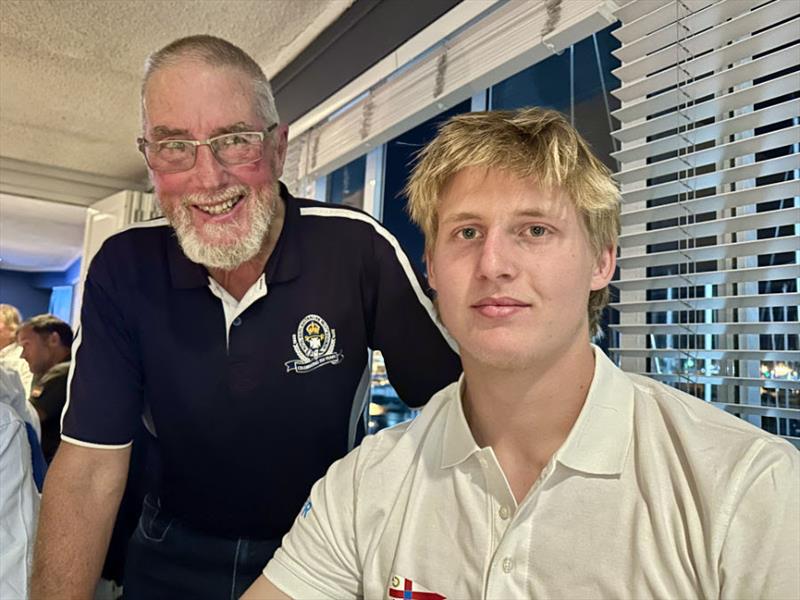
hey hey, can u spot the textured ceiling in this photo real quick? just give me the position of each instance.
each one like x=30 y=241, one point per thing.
x=69 y=98
x=70 y=70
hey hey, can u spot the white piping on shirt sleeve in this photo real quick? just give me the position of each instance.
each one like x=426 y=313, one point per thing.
x=405 y=264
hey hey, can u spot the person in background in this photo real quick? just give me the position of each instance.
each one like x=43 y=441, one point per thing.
x=546 y=471
x=46 y=344
x=10 y=350
x=19 y=505
x=13 y=395
x=239 y=327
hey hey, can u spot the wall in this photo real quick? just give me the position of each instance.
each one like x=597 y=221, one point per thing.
x=18 y=288
x=30 y=292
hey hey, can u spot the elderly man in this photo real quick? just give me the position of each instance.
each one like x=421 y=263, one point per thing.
x=545 y=472
x=241 y=331
x=46 y=342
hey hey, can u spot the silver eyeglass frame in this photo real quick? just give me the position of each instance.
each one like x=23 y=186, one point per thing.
x=142 y=143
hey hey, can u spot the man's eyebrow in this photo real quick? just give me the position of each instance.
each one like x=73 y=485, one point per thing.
x=161 y=132
x=235 y=128
x=461 y=216
x=468 y=216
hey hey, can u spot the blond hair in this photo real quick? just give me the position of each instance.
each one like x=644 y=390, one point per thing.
x=10 y=316
x=531 y=143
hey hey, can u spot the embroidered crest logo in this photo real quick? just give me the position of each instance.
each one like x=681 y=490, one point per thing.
x=314 y=344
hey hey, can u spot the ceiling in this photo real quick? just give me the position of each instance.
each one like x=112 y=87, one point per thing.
x=70 y=72
x=38 y=235
x=69 y=91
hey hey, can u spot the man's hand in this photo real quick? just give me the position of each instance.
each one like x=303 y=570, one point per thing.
x=82 y=492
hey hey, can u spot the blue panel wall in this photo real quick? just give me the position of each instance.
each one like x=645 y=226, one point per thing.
x=31 y=292
x=19 y=289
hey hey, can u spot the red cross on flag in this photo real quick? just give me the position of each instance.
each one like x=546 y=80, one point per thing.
x=402 y=587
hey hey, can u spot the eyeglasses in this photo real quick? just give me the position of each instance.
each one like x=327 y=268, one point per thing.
x=230 y=149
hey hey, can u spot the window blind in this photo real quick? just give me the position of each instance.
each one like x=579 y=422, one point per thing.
x=709 y=170
x=511 y=37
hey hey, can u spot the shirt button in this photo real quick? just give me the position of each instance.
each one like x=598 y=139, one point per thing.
x=482 y=462
x=504 y=512
x=237 y=321
x=508 y=565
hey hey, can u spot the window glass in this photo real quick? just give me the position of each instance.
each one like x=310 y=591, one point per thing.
x=386 y=409
x=346 y=184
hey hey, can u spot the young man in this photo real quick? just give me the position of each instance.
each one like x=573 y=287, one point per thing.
x=239 y=329
x=545 y=472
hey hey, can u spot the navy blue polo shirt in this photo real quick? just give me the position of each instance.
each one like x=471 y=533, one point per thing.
x=248 y=417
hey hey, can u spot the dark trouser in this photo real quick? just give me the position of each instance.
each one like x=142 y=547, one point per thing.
x=169 y=560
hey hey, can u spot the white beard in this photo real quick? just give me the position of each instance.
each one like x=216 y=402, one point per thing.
x=207 y=250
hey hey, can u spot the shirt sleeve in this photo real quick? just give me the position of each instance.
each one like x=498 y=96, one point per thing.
x=104 y=394
x=420 y=356
x=318 y=557
x=19 y=504
x=760 y=555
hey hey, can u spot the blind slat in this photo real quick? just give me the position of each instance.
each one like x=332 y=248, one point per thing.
x=720 y=226
x=728 y=200
x=633 y=9
x=658 y=18
x=714 y=131
x=761 y=327
x=710 y=278
x=693 y=23
x=715 y=302
x=741 y=22
x=715 y=107
x=713 y=84
x=749 y=145
x=774 y=355
x=741 y=381
x=763 y=168
x=715 y=252
x=713 y=61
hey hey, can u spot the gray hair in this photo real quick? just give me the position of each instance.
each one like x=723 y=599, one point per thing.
x=215 y=52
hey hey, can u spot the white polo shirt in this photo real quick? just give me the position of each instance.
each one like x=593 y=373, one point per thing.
x=654 y=494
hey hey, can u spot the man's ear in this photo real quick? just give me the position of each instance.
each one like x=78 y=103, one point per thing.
x=280 y=141
x=429 y=268
x=604 y=266
x=53 y=339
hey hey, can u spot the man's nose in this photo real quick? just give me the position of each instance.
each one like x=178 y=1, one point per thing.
x=207 y=171
x=497 y=258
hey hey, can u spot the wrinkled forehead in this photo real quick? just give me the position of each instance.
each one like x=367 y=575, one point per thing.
x=190 y=95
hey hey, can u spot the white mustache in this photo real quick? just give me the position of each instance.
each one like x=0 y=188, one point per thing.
x=227 y=194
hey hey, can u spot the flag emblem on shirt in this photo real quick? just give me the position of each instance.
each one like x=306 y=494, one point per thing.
x=402 y=587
